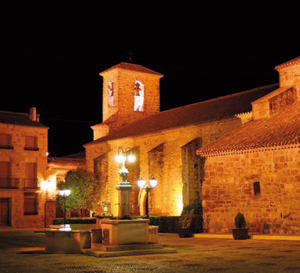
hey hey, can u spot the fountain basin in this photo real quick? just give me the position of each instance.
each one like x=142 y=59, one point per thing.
x=121 y=232
x=66 y=242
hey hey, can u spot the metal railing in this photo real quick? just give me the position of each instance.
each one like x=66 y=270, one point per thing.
x=17 y=183
x=30 y=183
x=9 y=183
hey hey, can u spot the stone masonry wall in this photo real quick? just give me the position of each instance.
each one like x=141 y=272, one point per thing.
x=165 y=149
x=229 y=188
x=289 y=75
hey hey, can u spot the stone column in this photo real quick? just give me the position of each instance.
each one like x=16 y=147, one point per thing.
x=123 y=187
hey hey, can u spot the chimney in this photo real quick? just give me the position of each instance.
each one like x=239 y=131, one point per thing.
x=32 y=113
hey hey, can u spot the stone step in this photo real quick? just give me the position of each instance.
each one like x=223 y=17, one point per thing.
x=106 y=254
x=110 y=248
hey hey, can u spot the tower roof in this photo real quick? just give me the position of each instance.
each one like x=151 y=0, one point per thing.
x=132 y=67
x=288 y=63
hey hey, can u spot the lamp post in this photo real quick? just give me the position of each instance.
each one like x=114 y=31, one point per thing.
x=152 y=183
x=124 y=186
x=64 y=193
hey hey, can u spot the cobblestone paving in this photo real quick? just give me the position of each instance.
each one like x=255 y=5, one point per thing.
x=22 y=252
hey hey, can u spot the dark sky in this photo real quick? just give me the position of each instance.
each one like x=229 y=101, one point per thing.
x=53 y=63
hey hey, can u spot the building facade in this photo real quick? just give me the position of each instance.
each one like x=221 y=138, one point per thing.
x=255 y=169
x=23 y=170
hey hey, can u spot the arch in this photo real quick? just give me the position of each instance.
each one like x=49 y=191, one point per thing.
x=142 y=202
x=139 y=89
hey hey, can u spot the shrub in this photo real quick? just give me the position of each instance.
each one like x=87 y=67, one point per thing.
x=185 y=219
x=196 y=206
x=239 y=220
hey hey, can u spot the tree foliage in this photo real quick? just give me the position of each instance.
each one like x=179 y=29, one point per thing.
x=85 y=190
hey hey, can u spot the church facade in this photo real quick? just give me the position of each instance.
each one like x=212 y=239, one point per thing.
x=255 y=169
x=164 y=143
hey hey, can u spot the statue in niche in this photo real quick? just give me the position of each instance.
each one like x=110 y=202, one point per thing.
x=138 y=96
x=110 y=90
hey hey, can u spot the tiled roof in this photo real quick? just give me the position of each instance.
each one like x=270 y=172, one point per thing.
x=198 y=113
x=65 y=163
x=288 y=63
x=18 y=119
x=132 y=67
x=282 y=129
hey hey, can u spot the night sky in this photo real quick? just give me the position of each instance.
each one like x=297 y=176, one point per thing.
x=53 y=63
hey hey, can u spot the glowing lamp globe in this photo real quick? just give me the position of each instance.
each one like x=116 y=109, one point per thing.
x=141 y=183
x=152 y=182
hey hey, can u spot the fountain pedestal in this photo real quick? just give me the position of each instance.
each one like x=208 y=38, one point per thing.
x=122 y=232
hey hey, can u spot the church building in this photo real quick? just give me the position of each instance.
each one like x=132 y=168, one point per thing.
x=164 y=143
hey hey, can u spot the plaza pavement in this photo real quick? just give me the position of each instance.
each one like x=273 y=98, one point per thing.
x=23 y=251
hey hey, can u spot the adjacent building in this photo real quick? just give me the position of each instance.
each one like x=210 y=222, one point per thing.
x=255 y=169
x=23 y=169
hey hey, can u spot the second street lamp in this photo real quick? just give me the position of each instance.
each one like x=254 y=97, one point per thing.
x=64 y=193
x=142 y=184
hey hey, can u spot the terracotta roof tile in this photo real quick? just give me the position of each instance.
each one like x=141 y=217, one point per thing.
x=288 y=63
x=282 y=129
x=198 y=113
x=132 y=67
x=18 y=119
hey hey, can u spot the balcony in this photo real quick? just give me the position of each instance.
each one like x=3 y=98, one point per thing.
x=31 y=184
x=9 y=183
x=7 y=147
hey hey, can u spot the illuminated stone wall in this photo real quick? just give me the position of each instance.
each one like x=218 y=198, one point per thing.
x=160 y=155
x=229 y=188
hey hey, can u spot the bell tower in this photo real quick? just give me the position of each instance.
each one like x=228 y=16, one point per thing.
x=130 y=92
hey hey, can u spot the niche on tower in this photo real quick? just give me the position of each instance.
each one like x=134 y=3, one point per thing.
x=138 y=96
x=110 y=93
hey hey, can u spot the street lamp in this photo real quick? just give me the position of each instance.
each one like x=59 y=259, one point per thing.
x=64 y=193
x=142 y=184
x=124 y=186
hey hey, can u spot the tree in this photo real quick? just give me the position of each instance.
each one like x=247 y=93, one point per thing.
x=85 y=190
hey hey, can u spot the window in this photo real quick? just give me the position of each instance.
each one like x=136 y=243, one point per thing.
x=30 y=175
x=256 y=187
x=31 y=143
x=110 y=90
x=4 y=174
x=138 y=96
x=5 y=141
x=30 y=204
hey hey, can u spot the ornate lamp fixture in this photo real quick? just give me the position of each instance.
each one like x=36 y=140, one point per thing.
x=142 y=184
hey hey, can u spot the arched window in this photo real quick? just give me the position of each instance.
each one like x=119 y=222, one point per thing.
x=138 y=96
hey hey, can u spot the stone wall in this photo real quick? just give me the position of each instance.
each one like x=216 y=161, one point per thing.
x=229 y=188
x=161 y=155
x=289 y=74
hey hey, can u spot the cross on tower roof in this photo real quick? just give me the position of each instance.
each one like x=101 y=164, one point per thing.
x=131 y=53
